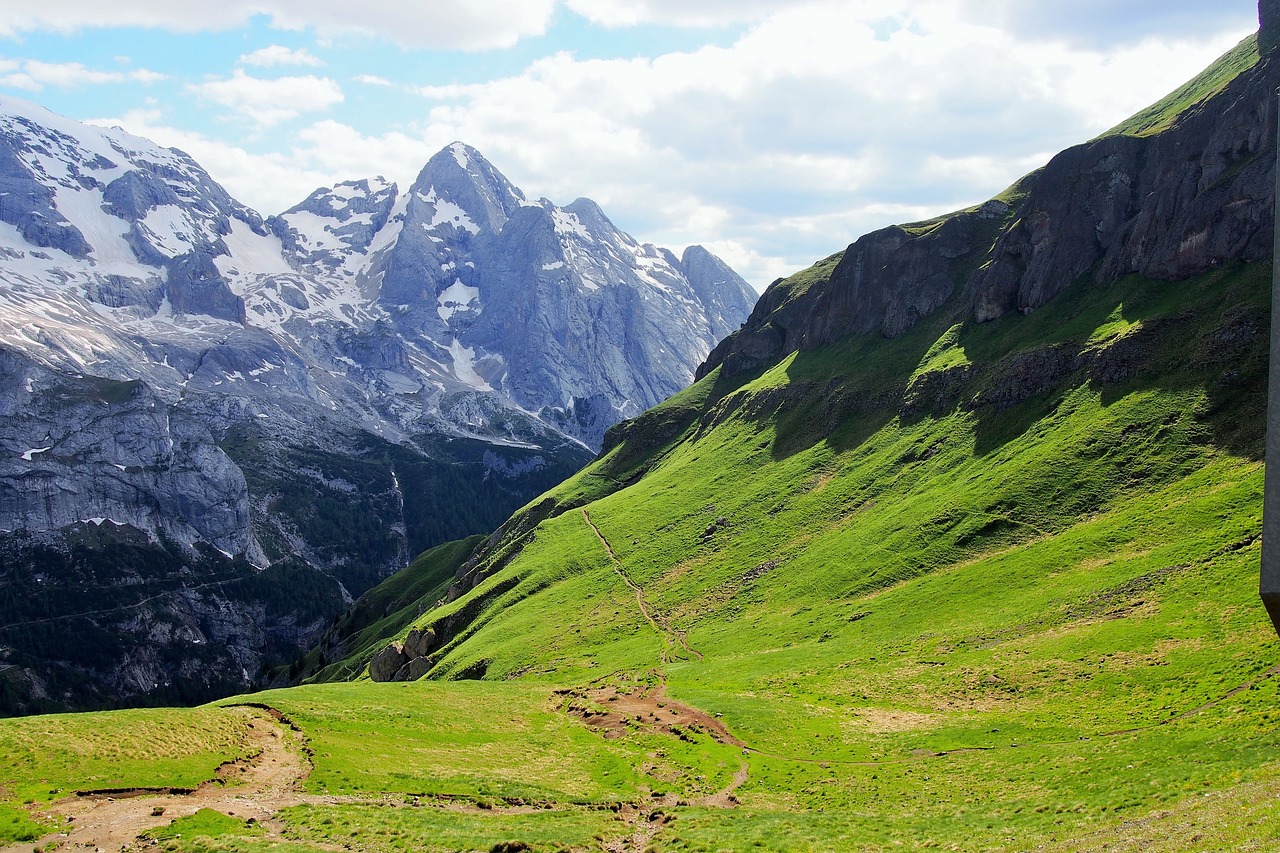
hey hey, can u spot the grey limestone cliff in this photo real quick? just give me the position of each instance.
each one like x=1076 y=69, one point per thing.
x=217 y=431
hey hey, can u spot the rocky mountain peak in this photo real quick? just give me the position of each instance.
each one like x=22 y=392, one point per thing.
x=308 y=400
x=334 y=223
x=718 y=287
x=590 y=214
x=463 y=190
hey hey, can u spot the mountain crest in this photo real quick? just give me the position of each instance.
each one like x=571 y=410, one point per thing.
x=465 y=191
x=1125 y=203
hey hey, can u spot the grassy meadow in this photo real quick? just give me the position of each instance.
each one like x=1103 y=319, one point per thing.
x=934 y=622
x=979 y=587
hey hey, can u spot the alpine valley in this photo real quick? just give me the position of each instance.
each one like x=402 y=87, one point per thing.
x=953 y=545
x=217 y=430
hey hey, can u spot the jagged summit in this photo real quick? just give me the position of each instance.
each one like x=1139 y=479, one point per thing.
x=479 y=278
x=460 y=176
x=99 y=217
x=216 y=390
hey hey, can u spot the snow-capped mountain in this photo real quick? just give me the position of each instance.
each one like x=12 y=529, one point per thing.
x=553 y=308
x=325 y=392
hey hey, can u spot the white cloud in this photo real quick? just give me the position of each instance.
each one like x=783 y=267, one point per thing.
x=1098 y=24
x=684 y=13
x=470 y=25
x=756 y=268
x=823 y=120
x=271 y=101
x=342 y=151
x=325 y=153
x=34 y=75
x=279 y=55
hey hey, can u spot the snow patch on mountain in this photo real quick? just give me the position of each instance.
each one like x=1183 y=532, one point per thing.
x=457 y=297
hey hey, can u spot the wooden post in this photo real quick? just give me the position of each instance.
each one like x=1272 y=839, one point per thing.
x=1269 y=577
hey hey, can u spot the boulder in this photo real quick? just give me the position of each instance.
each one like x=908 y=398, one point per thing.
x=414 y=669
x=387 y=663
x=419 y=642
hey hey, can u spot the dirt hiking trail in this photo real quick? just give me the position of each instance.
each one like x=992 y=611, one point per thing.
x=671 y=637
x=254 y=788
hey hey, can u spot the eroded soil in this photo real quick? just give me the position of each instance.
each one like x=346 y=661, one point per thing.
x=254 y=788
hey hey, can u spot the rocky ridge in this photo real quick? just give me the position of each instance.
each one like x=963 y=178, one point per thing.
x=1167 y=201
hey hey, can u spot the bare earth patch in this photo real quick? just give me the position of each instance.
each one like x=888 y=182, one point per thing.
x=614 y=711
x=883 y=721
x=254 y=788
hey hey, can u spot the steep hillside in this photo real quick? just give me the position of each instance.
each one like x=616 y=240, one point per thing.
x=898 y=571
x=953 y=360
x=965 y=529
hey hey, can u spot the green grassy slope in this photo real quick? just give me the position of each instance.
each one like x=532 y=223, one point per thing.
x=384 y=611
x=1208 y=83
x=873 y=463
x=963 y=585
x=980 y=587
x=474 y=740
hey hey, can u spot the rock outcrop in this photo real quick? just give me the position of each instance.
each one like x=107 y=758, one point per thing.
x=1165 y=201
x=387 y=663
x=404 y=661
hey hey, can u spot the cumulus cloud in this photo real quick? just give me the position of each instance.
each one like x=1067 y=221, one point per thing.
x=822 y=120
x=469 y=25
x=800 y=133
x=270 y=182
x=323 y=154
x=684 y=13
x=1091 y=23
x=34 y=75
x=271 y=101
x=279 y=55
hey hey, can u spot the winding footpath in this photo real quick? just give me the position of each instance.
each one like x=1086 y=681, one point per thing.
x=670 y=636
x=646 y=821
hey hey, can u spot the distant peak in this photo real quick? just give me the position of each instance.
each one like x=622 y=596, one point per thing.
x=463 y=153
x=589 y=212
x=458 y=171
x=460 y=153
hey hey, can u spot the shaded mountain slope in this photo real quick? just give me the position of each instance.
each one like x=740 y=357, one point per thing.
x=191 y=396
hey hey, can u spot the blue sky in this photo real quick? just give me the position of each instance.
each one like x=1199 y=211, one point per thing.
x=773 y=132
